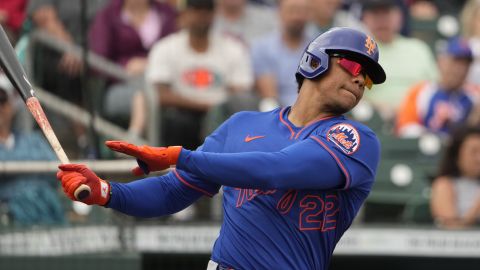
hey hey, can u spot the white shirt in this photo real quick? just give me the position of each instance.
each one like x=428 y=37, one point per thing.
x=200 y=76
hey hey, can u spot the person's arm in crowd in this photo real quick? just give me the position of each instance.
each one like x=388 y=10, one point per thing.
x=443 y=206
x=46 y=18
x=264 y=77
x=168 y=97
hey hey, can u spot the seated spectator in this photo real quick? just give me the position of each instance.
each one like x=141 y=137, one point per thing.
x=243 y=20
x=12 y=15
x=61 y=72
x=275 y=56
x=437 y=106
x=61 y=19
x=194 y=70
x=407 y=61
x=455 y=197
x=124 y=32
x=30 y=198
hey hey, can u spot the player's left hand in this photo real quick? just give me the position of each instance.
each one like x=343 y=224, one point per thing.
x=149 y=158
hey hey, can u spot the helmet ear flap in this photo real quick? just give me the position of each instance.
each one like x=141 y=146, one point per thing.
x=313 y=65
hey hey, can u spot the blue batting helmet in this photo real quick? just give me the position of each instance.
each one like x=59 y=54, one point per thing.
x=347 y=41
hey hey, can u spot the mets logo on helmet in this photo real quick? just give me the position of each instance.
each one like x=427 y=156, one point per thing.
x=370 y=45
x=345 y=137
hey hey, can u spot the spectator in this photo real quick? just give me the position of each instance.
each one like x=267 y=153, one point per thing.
x=12 y=15
x=58 y=72
x=455 y=198
x=244 y=20
x=30 y=198
x=275 y=56
x=124 y=32
x=325 y=14
x=470 y=18
x=439 y=106
x=194 y=70
x=407 y=61
x=61 y=19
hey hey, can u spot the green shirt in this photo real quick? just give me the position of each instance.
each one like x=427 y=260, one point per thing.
x=406 y=61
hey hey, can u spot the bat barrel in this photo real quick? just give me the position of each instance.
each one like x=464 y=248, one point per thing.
x=12 y=68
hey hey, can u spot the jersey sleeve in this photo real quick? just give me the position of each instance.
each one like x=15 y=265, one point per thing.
x=315 y=163
x=355 y=149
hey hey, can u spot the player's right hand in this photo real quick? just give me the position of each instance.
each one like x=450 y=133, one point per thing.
x=74 y=175
x=149 y=159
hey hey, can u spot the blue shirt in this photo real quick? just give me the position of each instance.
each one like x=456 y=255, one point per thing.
x=289 y=192
x=270 y=56
x=447 y=109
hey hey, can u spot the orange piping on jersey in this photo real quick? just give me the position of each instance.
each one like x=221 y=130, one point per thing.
x=316 y=120
x=190 y=185
x=286 y=124
x=340 y=164
x=408 y=112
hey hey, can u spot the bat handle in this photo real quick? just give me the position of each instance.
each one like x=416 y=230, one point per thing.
x=82 y=192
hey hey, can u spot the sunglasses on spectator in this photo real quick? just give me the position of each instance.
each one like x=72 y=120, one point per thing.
x=353 y=68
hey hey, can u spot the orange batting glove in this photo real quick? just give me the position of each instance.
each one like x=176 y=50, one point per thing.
x=149 y=158
x=73 y=176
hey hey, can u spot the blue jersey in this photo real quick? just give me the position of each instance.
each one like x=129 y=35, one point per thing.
x=289 y=192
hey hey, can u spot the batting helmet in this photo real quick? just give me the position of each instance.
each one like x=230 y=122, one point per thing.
x=346 y=41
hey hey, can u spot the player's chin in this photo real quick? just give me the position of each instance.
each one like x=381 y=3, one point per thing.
x=341 y=107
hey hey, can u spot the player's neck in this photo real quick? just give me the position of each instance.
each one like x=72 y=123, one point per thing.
x=305 y=111
x=198 y=43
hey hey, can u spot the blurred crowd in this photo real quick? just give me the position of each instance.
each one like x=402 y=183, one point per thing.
x=207 y=59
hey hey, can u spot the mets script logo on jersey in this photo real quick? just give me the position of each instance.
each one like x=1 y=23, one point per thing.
x=345 y=137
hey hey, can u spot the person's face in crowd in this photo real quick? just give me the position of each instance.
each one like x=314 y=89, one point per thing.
x=339 y=90
x=6 y=110
x=383 y=23
x=476 y=23
x=453 y=71
x=233 y=4
x=293 y=14
x=469 y=157
x=324 y=10
x=199 y=21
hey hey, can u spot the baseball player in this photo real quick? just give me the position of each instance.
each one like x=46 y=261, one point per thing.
x=293 y=178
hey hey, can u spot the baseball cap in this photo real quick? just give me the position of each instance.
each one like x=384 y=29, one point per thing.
x=458 y=48
x=376 y=4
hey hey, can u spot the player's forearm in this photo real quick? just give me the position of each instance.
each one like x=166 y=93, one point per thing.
x=294 y=167
x=152 y=197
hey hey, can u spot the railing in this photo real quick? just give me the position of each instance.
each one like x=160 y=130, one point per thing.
x=76 y=113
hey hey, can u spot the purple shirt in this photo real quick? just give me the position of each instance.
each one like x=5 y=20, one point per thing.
x=112 y=37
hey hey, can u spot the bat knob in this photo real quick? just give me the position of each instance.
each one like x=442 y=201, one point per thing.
x=82 y=192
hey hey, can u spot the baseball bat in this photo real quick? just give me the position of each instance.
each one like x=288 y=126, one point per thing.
x=17 y=76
